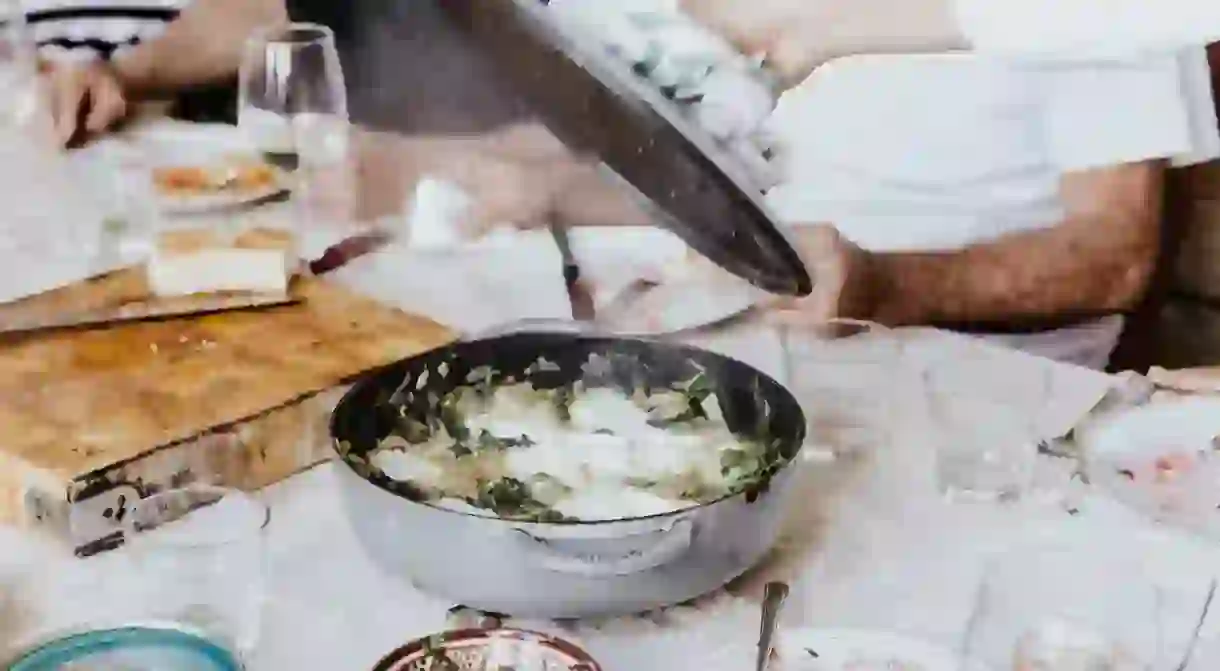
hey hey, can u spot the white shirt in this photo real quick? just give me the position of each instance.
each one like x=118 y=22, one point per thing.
x=1075 y=29
x=938 y=152
x=74 y=30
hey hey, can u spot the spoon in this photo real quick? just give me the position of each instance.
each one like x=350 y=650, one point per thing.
x=774 y=595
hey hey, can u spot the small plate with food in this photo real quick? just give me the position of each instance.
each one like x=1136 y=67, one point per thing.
x=1162 y=459
x=860 y=650
x=198 y=167
x=219 y=183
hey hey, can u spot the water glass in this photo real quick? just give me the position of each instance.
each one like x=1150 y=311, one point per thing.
x=293 y=104
x=24 y=104
x=291 y=80
x=985 y=429
x=1065 y=606
x=202 y=571
x=849 y=378
x=201 y=575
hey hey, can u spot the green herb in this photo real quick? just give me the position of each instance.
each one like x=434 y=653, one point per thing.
x=413 y=430
x=451 y=416
x=699 y=388
x=511 y=498
x=603 y=432
x=459 y=450
x=507 y=494
x=562 y=398
x=732 y=460
x=651 y=60
x=488 y=442
x=114 y=225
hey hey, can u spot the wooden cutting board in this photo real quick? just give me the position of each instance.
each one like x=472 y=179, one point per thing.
x=74 y=402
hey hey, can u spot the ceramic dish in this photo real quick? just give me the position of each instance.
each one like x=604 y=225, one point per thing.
x=1162 y=459
x=488 y=650
x=860 y=650
x=136 y=647
x=216 y=184
x=214 y=148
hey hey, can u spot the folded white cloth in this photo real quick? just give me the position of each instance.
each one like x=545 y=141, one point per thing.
x=472 y=288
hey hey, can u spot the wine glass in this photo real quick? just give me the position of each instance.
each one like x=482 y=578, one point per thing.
x=292 y=92
x=23 y=107
x=987 y=433
x=1062 y=607
x=292 y=105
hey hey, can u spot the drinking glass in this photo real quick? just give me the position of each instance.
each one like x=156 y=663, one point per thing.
x=292 y=105
x=199 y=553
x=23 y=103
x=849 y=378
x=984 y=423
x=1065 y=607
x=1205 y=656
x=292 y=98
x=199 y=576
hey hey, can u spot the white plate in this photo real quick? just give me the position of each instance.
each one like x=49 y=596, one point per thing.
x=685 y=305
x=164 y=144
x=837 y=648
x=1120 y=451
x=611 y=258
x=1152 y=430
x=211 y=202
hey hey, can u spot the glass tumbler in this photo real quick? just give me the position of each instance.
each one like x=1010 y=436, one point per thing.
x=202 y=571
x=984 y=424
x=178 y=582
x=292 y=105
x=849 y=377
x=1065 y=606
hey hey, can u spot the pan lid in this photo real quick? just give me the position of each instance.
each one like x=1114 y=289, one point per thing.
x=602 y=107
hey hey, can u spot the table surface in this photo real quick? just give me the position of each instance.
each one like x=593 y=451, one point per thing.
x=872 y=545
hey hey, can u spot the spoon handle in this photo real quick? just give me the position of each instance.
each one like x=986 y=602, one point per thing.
x=773 y=601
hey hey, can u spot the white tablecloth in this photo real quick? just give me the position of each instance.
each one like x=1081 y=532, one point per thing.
x=870 y=543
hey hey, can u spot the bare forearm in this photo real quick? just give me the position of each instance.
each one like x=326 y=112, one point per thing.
x=202 y=46
x=1041 y=276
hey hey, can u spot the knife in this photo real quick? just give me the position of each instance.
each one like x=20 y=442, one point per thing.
x=597 y=105
x=578 y=293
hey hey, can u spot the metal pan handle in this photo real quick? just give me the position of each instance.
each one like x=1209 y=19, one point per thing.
x=639 y=554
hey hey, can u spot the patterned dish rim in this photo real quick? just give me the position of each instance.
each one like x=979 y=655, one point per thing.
x=400 y=658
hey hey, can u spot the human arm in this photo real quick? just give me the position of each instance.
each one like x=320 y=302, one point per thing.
x=1098 y=260
x=201 y=46
x=1106 y=130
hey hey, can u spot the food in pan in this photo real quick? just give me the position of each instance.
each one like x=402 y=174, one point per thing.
x=238 y=176
x=580 y=452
